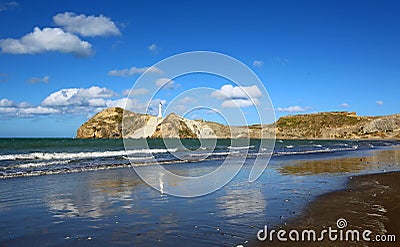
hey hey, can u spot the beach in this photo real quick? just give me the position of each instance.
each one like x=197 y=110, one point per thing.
x=368 y=202
x=91 y=202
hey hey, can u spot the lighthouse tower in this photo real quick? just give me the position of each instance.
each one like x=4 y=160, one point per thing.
x=159 y=110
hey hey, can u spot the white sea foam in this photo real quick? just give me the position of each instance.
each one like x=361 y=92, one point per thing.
x=240 y=148
x=81 y=155
x=326 y=150
x=213 y=154
x=41 y=164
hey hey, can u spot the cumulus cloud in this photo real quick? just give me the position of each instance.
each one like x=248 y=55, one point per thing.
x=90 y=97
x=45 y=79
x=39 y=110
x=8 y=5
x=6 y=103
x=239 y=103
x=237 y=92
x=134 y=71
x=258 y=63
x=23 y=109
x=76 y=101
x=166 y=83
x=379 y=102
x=238 y=96
x=86 y=25
x=292 y=109
x=345 y=105
x=47 y=40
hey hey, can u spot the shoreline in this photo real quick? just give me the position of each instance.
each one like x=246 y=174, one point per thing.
x=368 y=202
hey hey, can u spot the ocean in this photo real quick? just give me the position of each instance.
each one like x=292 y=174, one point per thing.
x=21 y=157
x=84 y=192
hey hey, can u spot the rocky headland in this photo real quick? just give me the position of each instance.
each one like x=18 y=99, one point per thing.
x=326 y=125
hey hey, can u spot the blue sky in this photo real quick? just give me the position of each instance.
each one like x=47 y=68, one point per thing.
x=56 y=59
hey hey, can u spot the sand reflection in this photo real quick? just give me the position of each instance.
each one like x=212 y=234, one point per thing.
x=93 y=198
x=378 y=159
x=237 y=204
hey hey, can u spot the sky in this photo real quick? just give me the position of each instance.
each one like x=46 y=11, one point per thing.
x=63 y=61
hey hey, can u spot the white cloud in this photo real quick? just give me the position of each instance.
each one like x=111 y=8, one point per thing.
x=237 y=92
x=134 y=105
x=8 y=5
x=258 y=63
x=85 y=97
x=47 y=40
x=166 y=83
x=153 y=48
x=239 y=103
x=23 y=109
x=6 y=103
x=379 y=102
x=134 y=92
x=83 y=101
x=76 y=101
x=134 y=71
x=24 y=105
x=345 y=105
x=292 y=109
x=238 y=96
x=128 y=104
x=5 y=111
x=45 y=79
x=86 y=25
x=38 y=110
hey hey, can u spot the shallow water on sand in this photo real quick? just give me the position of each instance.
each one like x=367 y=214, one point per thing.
x=115 y=207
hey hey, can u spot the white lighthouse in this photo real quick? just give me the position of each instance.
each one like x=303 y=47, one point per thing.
x=159 y=110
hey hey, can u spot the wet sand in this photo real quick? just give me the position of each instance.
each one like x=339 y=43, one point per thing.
x=369 y=202
x=115 y=207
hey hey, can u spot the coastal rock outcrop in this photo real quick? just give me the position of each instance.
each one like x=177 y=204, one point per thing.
x=387 y=124
x=105 y=124
x=325 y=125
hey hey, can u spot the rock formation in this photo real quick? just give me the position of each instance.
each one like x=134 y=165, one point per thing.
x=338 y=125
x=326 y=125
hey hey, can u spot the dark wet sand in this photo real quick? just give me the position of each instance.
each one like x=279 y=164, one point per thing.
x=369 y=202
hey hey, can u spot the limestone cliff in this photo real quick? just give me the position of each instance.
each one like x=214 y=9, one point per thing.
x=338 y=125
x=326 y=125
